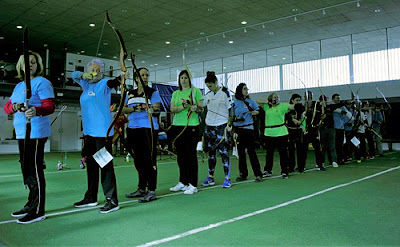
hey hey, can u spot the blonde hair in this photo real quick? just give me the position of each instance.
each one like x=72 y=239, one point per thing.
x=21 y=64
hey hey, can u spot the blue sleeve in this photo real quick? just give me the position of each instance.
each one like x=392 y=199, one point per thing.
x=379 y=116
x=254 y=105
x=155 y=98
x=45 y=90
x=76 y=76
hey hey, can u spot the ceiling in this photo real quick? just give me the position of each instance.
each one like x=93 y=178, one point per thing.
x=203 y=27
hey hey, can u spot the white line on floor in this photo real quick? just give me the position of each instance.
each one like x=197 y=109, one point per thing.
x=241 y=217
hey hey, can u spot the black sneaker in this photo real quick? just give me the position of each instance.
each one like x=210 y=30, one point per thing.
x=110 y=206
x=266 y=174
x=258 y=179
x=321 y=168
x=31 y=218
x=381 y=155
x=21 y=213
x=150 y=196
x=240 y=178
x=137 y=193
x=85 y=203
x=284 y=176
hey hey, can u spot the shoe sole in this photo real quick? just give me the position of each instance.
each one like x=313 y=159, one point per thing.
x=18 y=215
x=32 y=221
x=128 y=196
x=209 y=184
x=93 y=204
x=144 y=201
x=109 y=211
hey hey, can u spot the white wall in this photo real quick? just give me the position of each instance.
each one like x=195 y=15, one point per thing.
x=365 y=91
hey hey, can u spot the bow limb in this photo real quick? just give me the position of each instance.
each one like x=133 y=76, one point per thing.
x=27 y=78
x=123 y=55
x=136 y=74
x=384 y=98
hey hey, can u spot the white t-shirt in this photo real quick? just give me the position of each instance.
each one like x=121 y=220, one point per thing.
x=218 y=105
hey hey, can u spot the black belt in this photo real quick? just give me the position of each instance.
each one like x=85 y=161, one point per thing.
x=275 y=126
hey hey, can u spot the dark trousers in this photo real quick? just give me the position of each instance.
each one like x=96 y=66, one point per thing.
x=140 y=146
x=370 y=139
x=247 y=140
x=339 y=139
x=349 y=147
x=186 y=154
x=33 y=175
x=281 y=143
x=361 y=150
x=328 y=144
x=313 y=137
x=296 y=148
x=92 y=145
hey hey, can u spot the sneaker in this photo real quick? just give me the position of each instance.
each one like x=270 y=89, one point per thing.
x=240 y=179
x=372 y=157
x=284 y=176
x=21 y=213
x=227 y=183
x=321 y=168
x=85 y=203
x=190 y=190
x=334 y=164
x=209 y=181
x=358 y=161
x=179 y=187
x=137 y=193
x=31 y=218
x=266 y=174
x=381 y=155
x=150 y=196
x=258 y=179
x=110 y=206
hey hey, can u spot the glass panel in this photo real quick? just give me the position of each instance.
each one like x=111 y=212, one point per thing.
x=394 y=37
x=335 y=47
x=335 y=71
x=369 y=41
x=394 y=64
x=234 y=63
x=258 y=80
x=213 y=65
x=282 y=55
x=255 y=60
x=301 y=75
x=370 y=66
x=306 y=52
x=163 y=75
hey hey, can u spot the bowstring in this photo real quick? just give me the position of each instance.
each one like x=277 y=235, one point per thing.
x=101 y=36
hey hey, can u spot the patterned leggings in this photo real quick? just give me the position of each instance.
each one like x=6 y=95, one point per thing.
x=214 y=138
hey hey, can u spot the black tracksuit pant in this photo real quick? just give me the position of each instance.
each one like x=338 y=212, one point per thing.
x=108 y=181
x=186 y=144
x=140 y=146
x=247 y=139
x=280 y=142
x=33 y=175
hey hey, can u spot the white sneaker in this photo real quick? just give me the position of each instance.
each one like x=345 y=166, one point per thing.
x=180 y=186
x=190 y=190
x=334 y=164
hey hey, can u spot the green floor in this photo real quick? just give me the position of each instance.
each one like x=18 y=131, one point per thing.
x=361 y=213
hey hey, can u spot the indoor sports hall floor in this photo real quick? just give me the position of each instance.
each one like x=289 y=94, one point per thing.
x=353 y=205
